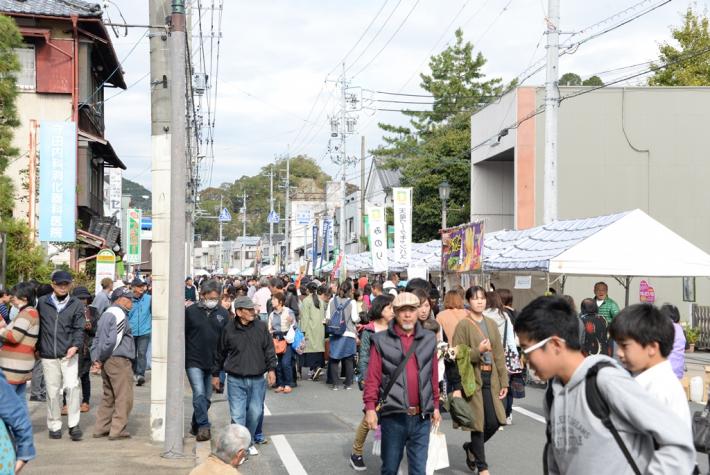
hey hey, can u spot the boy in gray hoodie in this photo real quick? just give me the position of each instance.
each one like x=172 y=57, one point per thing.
x=579 y=443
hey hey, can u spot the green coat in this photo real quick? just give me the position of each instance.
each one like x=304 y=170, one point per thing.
x=608 y=310
x=312 y=325
x=467 y=334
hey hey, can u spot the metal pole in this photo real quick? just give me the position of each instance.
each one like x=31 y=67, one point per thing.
x=174 y=417
x=160 y=163
x=443 y=214
x=244 y=225
x=362 y=193
x=343 y=194
x=220 y=260
x=552 y=105
x=287 y=210
x=271 y=210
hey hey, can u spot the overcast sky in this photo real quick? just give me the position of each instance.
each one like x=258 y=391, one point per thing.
x=276 y=55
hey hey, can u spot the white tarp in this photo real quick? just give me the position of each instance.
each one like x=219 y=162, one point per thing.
x=635 y=245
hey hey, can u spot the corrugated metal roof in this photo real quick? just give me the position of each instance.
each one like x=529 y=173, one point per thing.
x=533 y=248
x=61 y=8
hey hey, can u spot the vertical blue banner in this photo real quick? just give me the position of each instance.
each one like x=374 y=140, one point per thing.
x=326 y=233
x=315 y=245
x=57 y=181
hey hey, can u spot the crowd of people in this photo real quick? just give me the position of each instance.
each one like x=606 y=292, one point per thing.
x=411 y=351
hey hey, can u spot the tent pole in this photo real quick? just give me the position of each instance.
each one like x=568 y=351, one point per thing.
x=627 y=285
x=564 y=281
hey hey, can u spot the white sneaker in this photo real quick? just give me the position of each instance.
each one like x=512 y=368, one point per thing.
x=252 y=451
x=509 y=420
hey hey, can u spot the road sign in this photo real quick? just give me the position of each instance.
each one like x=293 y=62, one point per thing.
x=273 y=218
x=303 y=217
x=224 y=216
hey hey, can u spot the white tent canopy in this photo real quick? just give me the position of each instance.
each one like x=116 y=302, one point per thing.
x=625 y=244
x=427 y=254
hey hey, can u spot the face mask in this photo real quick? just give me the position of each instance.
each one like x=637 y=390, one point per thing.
x=13 y=312
x=211 y=303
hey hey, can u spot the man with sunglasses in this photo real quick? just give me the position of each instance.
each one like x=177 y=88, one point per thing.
x=655 y=440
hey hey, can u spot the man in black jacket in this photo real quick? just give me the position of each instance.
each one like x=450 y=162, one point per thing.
x=204 y=323
x=246 y=352
x=61 y=334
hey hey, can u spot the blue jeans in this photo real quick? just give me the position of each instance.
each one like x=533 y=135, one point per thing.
x=139 y=364
x=20 y=390
x=284 y=371
x=246 y=400
x=201 y=384
x=400 y=431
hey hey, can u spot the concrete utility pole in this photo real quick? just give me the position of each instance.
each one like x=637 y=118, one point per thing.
x=343 y=142
x=362 y=192
x=174 y=417
x=160 y=164
x=552 y=106
x=271 y=210
x=244 y=226
x=287 y=210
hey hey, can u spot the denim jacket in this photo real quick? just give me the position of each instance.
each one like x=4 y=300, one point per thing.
x=14 y=413
x=140 y=317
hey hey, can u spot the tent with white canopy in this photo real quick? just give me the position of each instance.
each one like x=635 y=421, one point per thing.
x=622 y=245
x=427 y=254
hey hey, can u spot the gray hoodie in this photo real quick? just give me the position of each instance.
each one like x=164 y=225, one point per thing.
x=581 y=444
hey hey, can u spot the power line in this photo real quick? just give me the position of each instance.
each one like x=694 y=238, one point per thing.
x=389 y=40
x=352 y=63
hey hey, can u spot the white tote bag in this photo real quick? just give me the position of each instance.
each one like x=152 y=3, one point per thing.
x=438 y=454
x=290 y=335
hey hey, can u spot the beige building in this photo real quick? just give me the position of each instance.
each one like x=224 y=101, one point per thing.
x=619 y=149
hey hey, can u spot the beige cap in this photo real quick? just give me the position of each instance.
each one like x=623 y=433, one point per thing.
x=405 y=299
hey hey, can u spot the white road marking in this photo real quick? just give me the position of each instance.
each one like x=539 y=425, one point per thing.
x=267 y=412
x=288 y=456
x=530 y=414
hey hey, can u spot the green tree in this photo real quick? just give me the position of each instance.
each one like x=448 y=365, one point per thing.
x=436 y=144
x=10 y=39
x=570 y=79
x=693 y=40
x=593 y=81
x=306 y=176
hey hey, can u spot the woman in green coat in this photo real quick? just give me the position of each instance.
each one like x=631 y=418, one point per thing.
x=312 y=325
x=481 y=335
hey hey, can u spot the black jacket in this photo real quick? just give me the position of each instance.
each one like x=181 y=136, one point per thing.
x=59 y=332
x=203 y=328
x=245 y=350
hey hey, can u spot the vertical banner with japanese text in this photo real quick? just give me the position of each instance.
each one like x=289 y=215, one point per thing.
x=105 y=267
x=315 y=245
x=402 y=225
x=378 y=238
x=325 y=255
x=133 y=227
x=57 y=181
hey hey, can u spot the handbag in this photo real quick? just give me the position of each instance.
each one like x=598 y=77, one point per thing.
x=512 y=359
x=437 y=454
x=701 y=429
x=290 y=335
x=280 y=346
x=517 y=386
x=460 y=411
x=299 y=341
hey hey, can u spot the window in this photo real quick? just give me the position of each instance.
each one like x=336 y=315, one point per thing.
x=26 y=78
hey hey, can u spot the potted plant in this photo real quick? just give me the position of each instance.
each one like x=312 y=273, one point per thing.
x=692 y=334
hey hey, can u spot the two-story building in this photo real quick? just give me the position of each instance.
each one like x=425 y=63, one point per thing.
x=67 y=61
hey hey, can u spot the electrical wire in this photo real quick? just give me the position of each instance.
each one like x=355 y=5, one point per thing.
x=372 y=40
x=388 y=41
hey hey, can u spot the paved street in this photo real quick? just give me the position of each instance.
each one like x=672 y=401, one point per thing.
x=310 y=431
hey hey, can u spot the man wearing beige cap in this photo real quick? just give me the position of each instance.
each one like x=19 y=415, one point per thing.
x=402 y=386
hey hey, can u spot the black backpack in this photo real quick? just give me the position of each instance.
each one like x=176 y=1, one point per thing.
x=598 y=406
x=337 y=323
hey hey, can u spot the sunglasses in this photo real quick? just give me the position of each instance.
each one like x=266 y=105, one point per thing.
x=540 y=344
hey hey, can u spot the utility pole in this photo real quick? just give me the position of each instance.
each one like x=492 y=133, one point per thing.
x=161 y=173
x=344 y=160
x=287 y=210
x=552 y=106
x=220 y=259
x=174 y=410
x=271 y=210
x=362 y=192
x=244 y=226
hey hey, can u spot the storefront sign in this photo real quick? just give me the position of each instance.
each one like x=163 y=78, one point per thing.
x=133 y=227
x=402 y=225
x=378 y=238
x=57 y=181
x=461 y=247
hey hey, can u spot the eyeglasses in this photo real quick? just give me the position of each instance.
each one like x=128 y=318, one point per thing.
x=539 y=345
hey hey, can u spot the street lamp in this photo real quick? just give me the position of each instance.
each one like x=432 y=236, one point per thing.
x=444 y=192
